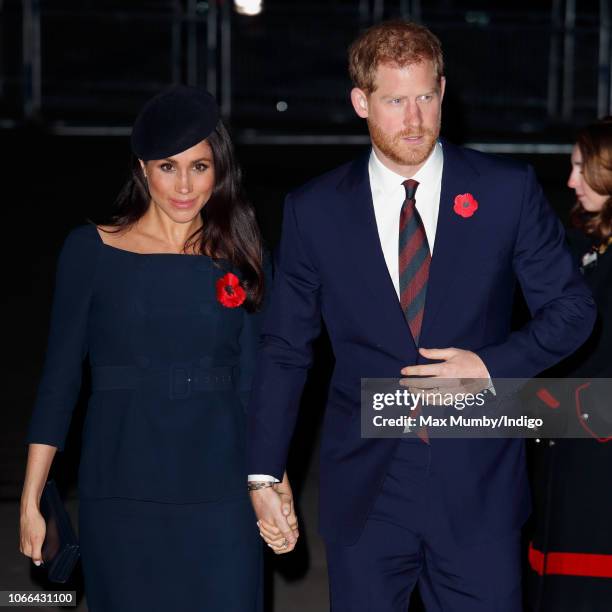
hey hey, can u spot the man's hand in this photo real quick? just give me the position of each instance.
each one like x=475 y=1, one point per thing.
x=456 y=363
x=275 y=512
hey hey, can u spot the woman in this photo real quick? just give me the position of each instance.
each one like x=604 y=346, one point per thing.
x=166 y=301
x=571 y=553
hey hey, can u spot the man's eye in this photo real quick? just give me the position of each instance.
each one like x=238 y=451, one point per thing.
x=426 y=98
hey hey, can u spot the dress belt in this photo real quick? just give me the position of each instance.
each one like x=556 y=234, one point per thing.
x=180 y=379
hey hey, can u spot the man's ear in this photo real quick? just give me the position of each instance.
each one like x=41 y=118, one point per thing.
x=442 y=87
x=359 y=99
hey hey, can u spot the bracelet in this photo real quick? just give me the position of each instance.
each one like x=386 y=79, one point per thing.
x=255 y=485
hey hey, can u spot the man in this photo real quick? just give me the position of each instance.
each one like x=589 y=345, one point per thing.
x=418 y=245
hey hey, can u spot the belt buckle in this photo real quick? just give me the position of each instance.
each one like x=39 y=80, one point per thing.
x=181 y=378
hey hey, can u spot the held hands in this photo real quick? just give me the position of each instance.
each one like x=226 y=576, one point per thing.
x=277 y=522
x=32 y=534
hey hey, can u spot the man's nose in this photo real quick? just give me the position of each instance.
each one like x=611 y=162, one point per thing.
x=413 y=117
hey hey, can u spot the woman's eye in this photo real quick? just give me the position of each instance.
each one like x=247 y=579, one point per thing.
x=166 y=167
x=200 y=167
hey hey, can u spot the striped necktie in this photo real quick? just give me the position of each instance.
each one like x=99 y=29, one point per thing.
x=414 y=261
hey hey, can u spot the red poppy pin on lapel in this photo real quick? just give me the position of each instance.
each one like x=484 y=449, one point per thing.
x=229 y=291
x=465 y=205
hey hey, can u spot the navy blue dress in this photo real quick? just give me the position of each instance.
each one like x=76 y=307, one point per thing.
x=164 y=521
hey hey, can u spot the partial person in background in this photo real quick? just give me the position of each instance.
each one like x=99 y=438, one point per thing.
x=166 y=302
x=571 y=553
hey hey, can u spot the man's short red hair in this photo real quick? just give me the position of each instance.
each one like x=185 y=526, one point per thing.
x=395 y=42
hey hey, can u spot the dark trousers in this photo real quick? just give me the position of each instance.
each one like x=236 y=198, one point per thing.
x=407 y=540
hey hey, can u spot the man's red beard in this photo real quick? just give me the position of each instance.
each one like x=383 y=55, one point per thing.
x=401 y=152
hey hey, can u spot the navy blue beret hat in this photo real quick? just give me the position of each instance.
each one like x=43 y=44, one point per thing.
x=173 y=121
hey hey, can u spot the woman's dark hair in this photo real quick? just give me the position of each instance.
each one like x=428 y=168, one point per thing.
x=229 y=230
x=595 y=144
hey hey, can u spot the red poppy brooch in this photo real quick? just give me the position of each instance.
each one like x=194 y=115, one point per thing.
x=465 y=205
x=229 y=292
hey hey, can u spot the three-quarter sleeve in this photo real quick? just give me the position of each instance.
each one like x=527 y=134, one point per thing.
x=250 y=338
x=68 y=343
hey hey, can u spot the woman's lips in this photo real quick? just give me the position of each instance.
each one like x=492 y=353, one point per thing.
x=183 y=203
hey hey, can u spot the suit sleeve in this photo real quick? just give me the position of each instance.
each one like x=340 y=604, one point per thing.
x=67 y=343
x=292 y=323
x=561 y=306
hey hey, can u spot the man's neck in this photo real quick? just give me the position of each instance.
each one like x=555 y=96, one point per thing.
x=405 y=170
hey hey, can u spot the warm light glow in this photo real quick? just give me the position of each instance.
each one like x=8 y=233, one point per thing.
x=248 y=7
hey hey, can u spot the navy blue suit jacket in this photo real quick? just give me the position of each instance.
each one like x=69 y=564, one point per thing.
x=330 y=266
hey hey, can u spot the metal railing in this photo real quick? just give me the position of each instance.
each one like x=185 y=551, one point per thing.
x=281 y=76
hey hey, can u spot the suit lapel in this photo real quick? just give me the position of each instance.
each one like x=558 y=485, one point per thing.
x=452 y=232
x=364 y=249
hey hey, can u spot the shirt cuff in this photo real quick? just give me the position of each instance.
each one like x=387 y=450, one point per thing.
x=262 y=478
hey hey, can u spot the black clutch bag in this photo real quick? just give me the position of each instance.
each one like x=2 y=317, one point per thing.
x=60 y=550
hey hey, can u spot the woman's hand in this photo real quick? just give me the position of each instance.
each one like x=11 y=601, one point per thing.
x=273 y=537
x=32 y=534
x=32 y=524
